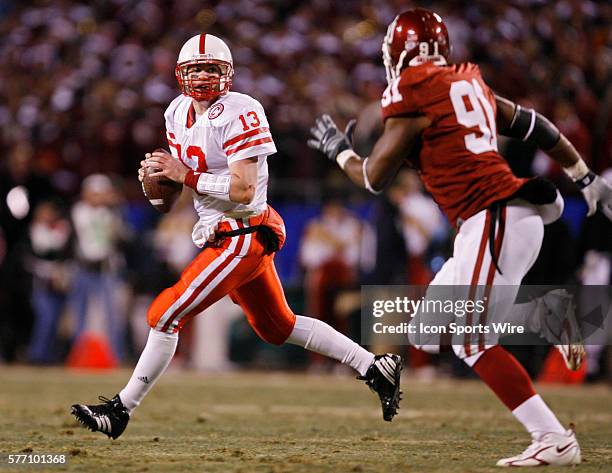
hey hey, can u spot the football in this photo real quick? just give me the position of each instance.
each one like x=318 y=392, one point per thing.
x=161 y=191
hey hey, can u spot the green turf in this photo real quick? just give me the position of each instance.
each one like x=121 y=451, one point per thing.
x=283 y=423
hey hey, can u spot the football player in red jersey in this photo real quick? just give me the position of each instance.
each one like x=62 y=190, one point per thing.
x=444 y=120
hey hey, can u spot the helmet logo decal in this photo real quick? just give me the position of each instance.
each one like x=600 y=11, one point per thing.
x=215 y=111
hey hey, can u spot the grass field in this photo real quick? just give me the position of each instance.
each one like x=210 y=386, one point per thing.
x=277 y=423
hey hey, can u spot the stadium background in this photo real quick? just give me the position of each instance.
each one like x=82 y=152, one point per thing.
x=83 y=87
x=83 y=90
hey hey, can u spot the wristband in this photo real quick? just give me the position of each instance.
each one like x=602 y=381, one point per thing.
x=577 y=171
x=586 y=180
x=366 y=181
x=191 y=179
x=210 y=184
x=344 y=156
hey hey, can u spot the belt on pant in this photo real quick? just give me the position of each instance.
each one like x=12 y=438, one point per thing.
x=496 y=216
x=268 y=238
x=239 y=231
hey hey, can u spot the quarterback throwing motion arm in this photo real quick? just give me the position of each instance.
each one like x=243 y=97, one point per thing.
x=528 y=125
x=390 y=151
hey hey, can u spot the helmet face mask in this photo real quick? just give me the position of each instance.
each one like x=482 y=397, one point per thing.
x=414 y=37
x=204 y=50
x=204 y=88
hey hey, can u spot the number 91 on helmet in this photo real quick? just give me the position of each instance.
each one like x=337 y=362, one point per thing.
x=414 y=37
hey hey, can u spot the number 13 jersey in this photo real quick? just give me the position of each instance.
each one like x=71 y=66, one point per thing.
x=458 y=160
x=233 y=128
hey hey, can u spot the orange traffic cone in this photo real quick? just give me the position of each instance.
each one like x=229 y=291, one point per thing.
x=555 y=371
x=91 y=350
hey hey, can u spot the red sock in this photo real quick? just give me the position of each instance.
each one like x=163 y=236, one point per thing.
x=505 y=376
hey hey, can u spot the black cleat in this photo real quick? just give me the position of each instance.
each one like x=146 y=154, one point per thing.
x=383 y=377
x=110 y=418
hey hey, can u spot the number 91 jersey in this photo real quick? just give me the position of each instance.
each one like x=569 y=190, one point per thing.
x=233 y=128
x=458 y=160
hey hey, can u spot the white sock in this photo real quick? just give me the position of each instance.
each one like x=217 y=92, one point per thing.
x=319 y=337
x=537 y=417
x=153 y=361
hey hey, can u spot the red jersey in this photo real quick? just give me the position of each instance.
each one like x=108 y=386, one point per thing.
x=458 y=161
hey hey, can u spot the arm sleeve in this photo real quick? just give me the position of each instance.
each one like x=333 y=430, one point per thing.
x=247 y=134
x=528 y=125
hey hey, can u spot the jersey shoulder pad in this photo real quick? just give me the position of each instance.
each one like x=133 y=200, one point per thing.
x=230 y=106
x=403 y=96
x=417 y=75
x=471 y=68
x=174 y=106
x=243 y=126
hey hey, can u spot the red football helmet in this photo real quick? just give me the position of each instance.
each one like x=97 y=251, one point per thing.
x=414 y=37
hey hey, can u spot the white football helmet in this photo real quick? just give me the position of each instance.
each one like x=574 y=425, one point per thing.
x=204 y=49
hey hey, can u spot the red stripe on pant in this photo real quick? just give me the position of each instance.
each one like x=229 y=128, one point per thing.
x=491 y=275
x=475 y=278
x=205 y=283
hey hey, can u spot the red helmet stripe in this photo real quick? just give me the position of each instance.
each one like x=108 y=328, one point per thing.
x=203 y=43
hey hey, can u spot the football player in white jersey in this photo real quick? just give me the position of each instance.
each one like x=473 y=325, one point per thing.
x=220 y=141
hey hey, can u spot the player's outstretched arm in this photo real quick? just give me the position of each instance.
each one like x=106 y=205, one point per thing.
x=377 y=170
x=530 y=126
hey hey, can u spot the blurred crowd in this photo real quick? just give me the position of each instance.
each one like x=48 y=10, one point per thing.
x=85 y=84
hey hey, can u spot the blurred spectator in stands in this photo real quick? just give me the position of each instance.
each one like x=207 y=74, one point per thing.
x=2 y=247
x=16 y=312
x=84 y=85
x=330 y=254
x=99 y=231
x=49 y=263
x=596 y=269
x=172 y=237
x=597 y=230
x=421 y=221
x=22 y=187
x=391 y=258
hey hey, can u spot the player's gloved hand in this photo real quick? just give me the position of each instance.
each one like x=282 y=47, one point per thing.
x=328 y=139
x=597 y=192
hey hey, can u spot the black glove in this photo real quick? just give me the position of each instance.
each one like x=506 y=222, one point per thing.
x=328 y=139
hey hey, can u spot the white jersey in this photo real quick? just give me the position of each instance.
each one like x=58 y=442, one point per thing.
x=235 y=127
